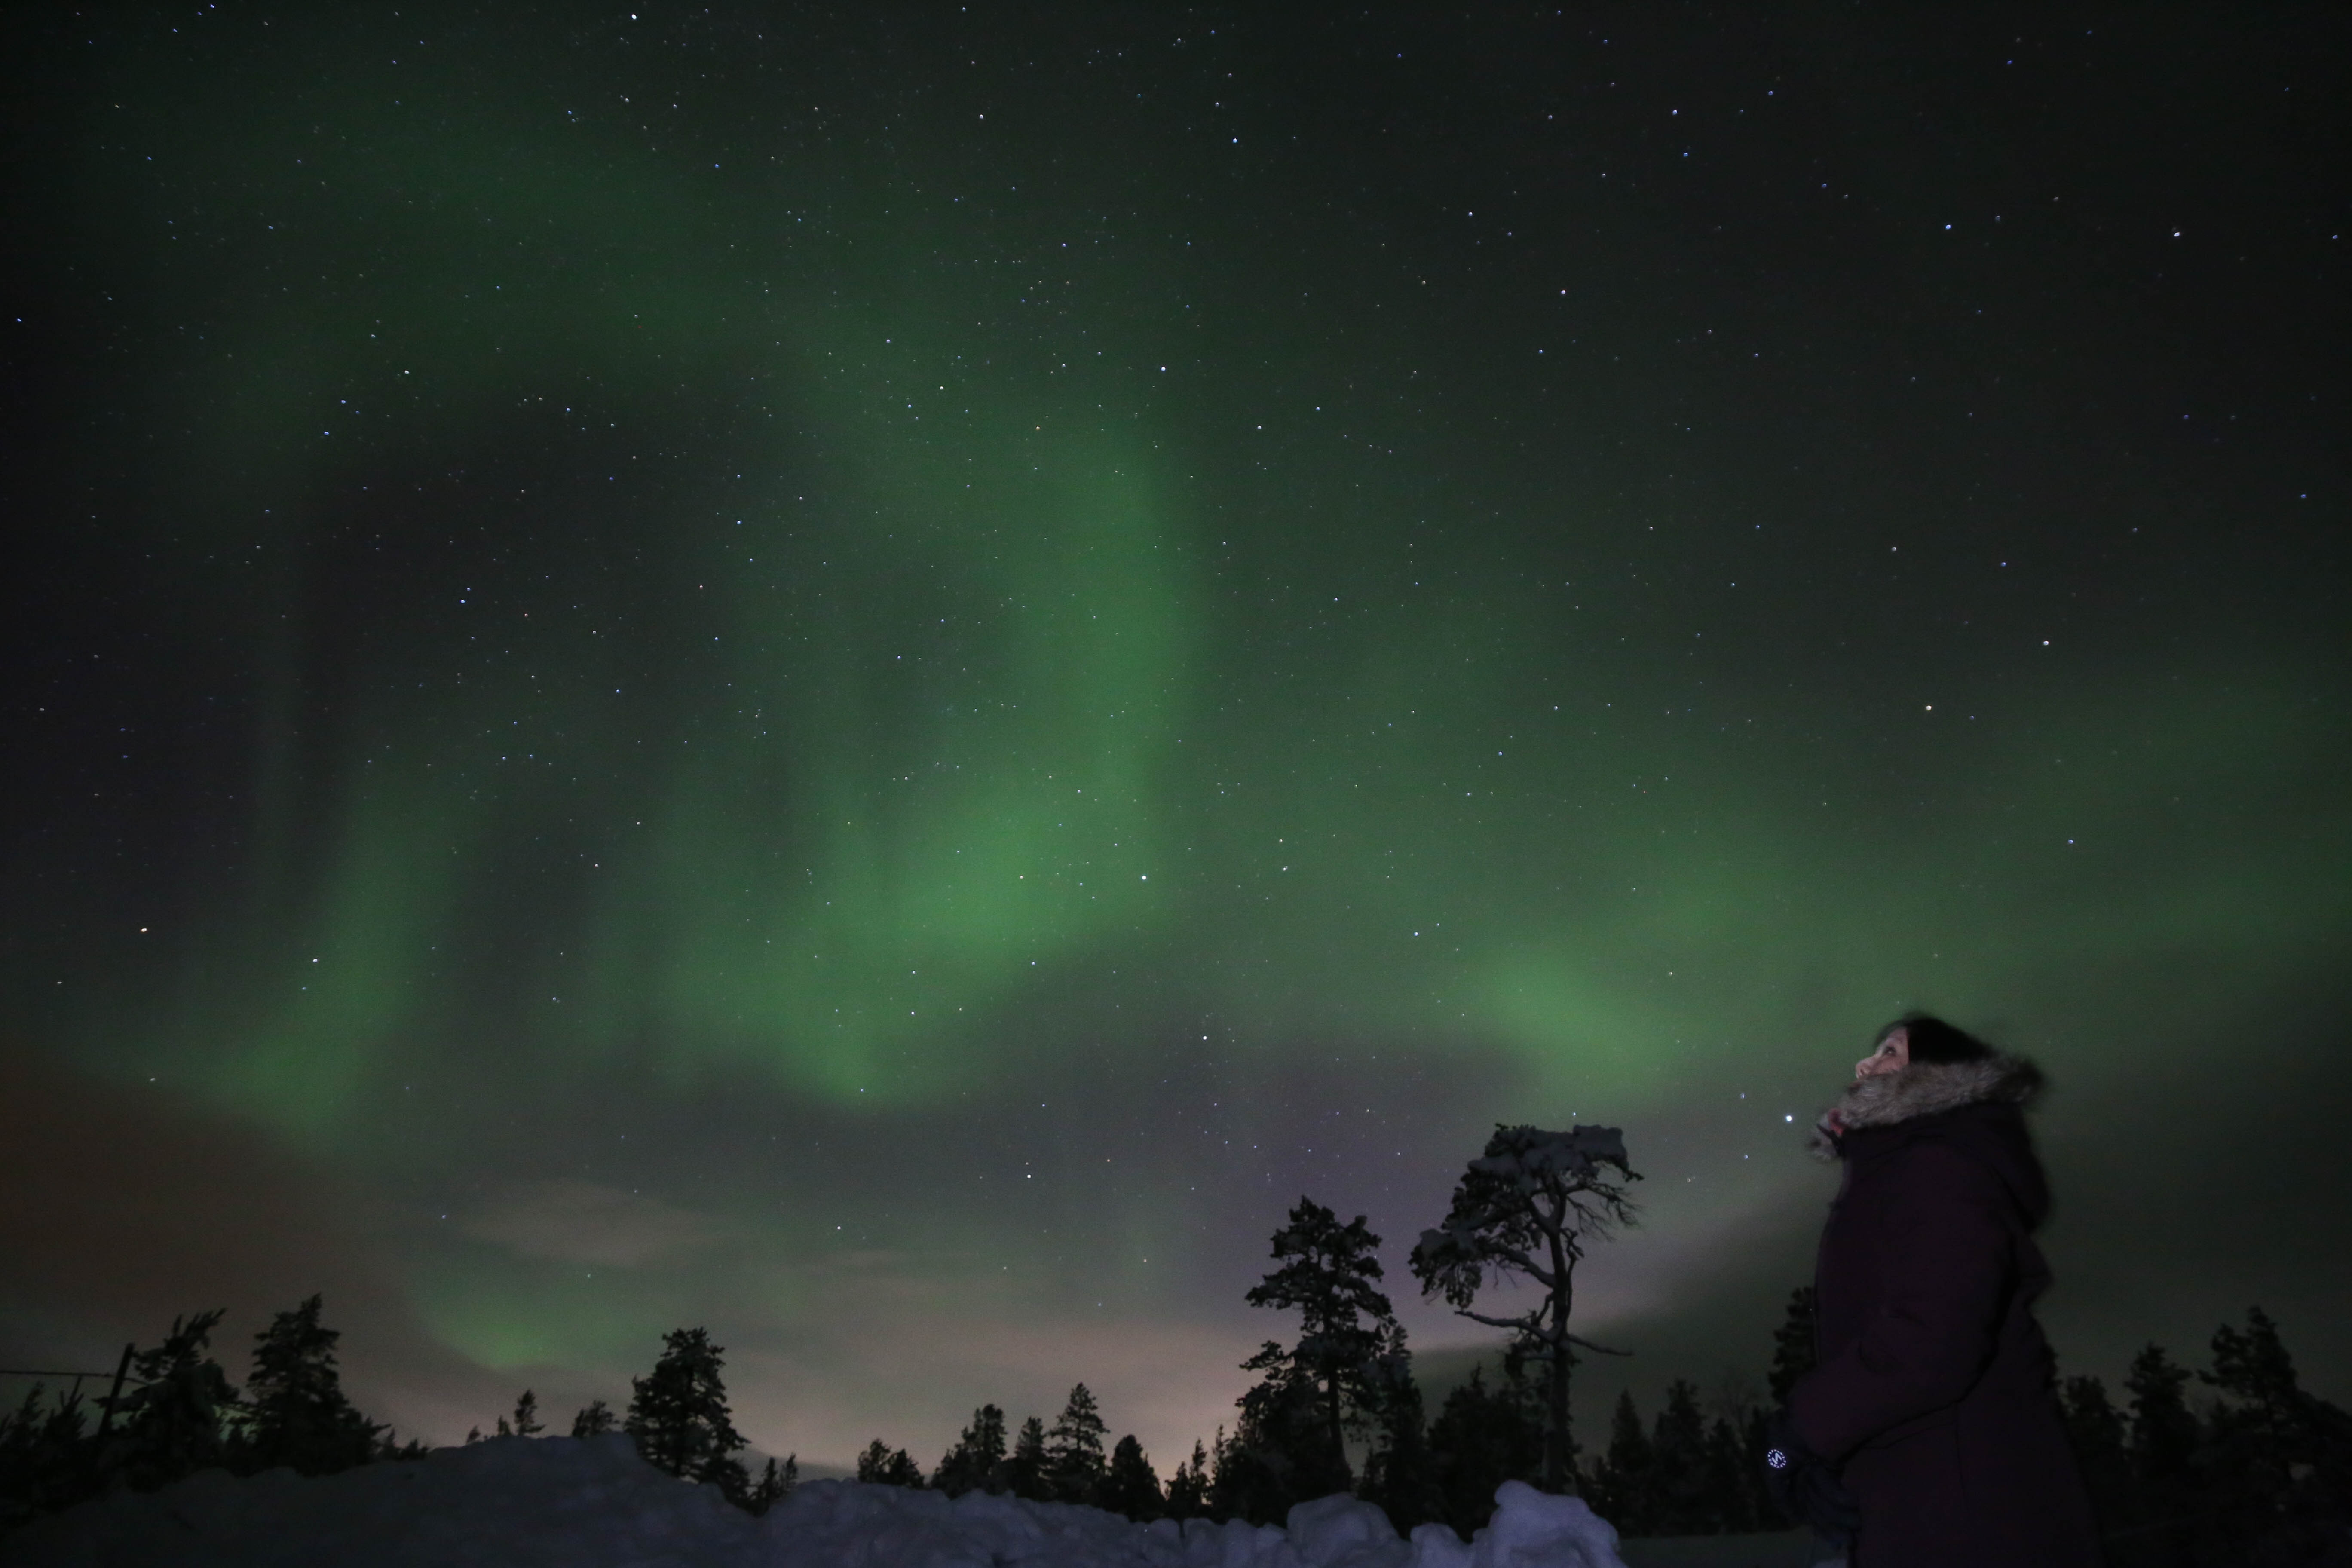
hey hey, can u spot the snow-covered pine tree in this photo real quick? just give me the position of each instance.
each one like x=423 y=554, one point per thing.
x=1524 y=1208
x=169 y=1425
x=294 y=1411
x=680 y=1418
x=1075 y=1461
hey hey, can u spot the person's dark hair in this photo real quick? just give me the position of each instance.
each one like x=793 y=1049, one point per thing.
x=1934 y=1040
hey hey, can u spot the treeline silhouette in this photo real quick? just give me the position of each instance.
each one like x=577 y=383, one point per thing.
x=182 y=1414
x=2256 y=1471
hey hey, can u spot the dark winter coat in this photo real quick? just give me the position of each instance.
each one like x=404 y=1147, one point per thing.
x=1934 y=1387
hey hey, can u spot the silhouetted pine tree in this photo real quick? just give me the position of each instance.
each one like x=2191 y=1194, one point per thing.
x=44 y=1459
x=1728 y=1509
x=977 y=1461
x=1131 y=1486
x=1075 y=1461
x=2277 y=1460
x=1329 y=1275
x=774 y=1484
x=1276 y=1457
x=1794 y=1346
x=678 y=1415
x=882 y=1466
x=1482 y=1437
x=1755 y=1442
x=1024 y=1472
x=294 y=1411
x=526 y=1423
x=2096 y=1432
x=169 y=1424
x=2265 y=1422
x=1401 y=1472
x=1188 y=1488
x=1679 y=1503
x=595 y=1420
x=2163 y=1432
x=1623 y=1489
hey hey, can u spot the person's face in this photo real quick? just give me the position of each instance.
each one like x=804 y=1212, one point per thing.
x=1893 y=1055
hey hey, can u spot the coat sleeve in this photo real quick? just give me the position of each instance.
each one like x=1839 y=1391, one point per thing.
x=1948 y=1277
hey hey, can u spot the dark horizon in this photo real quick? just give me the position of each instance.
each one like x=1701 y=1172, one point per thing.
x=877 y=682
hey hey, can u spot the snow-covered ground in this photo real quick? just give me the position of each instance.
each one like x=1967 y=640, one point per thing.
x=593 y=1503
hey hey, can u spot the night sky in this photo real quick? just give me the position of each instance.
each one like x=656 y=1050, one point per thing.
x=876 y=677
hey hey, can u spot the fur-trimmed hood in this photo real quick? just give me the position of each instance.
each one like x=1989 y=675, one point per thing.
x=1923 y=1089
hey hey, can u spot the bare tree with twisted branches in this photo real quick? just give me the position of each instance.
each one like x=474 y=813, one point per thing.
x=1526 y=1208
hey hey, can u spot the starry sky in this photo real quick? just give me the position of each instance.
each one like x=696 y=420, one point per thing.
x=877 y=677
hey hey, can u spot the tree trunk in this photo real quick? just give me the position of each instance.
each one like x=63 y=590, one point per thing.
x=1560 y=1475
x=1338 y=1434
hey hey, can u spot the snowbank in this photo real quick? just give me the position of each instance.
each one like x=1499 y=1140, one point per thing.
x=593 y=1503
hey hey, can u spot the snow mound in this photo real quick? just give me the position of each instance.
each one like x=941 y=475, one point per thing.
x=593 y=1503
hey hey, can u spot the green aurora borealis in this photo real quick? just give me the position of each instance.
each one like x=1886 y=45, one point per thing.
x=877 y=682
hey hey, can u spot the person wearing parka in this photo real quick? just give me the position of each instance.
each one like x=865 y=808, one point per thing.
x=1933 y=1392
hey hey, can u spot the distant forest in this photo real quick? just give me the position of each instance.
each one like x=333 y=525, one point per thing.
x=2232 y=1463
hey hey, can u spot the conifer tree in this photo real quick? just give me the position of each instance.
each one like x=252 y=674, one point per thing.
x=1075 y=1461
x=1400 y=1472
x=1623 y=1478
x=1330 y=1274
x=2253 y=1371
x=1131 y=1486
x=1526 y=1208
x=2097 y=1431
x=595 y=1420
x=774 y=1484
x=1188 y=1488
x=1482 y=1437
x=295 y=1412
x=170 y=1426
x=526 y=1423
x=1728 y=1499
x=1755 y=1442
x=2163 y=1432
x=1025 y=1472
x=43 y=1464
x=1792 y=1342
x=882 y=1466
x=1678 y=1501
x=1277 y=1456
x=678 y=1415
x=977 y=1461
